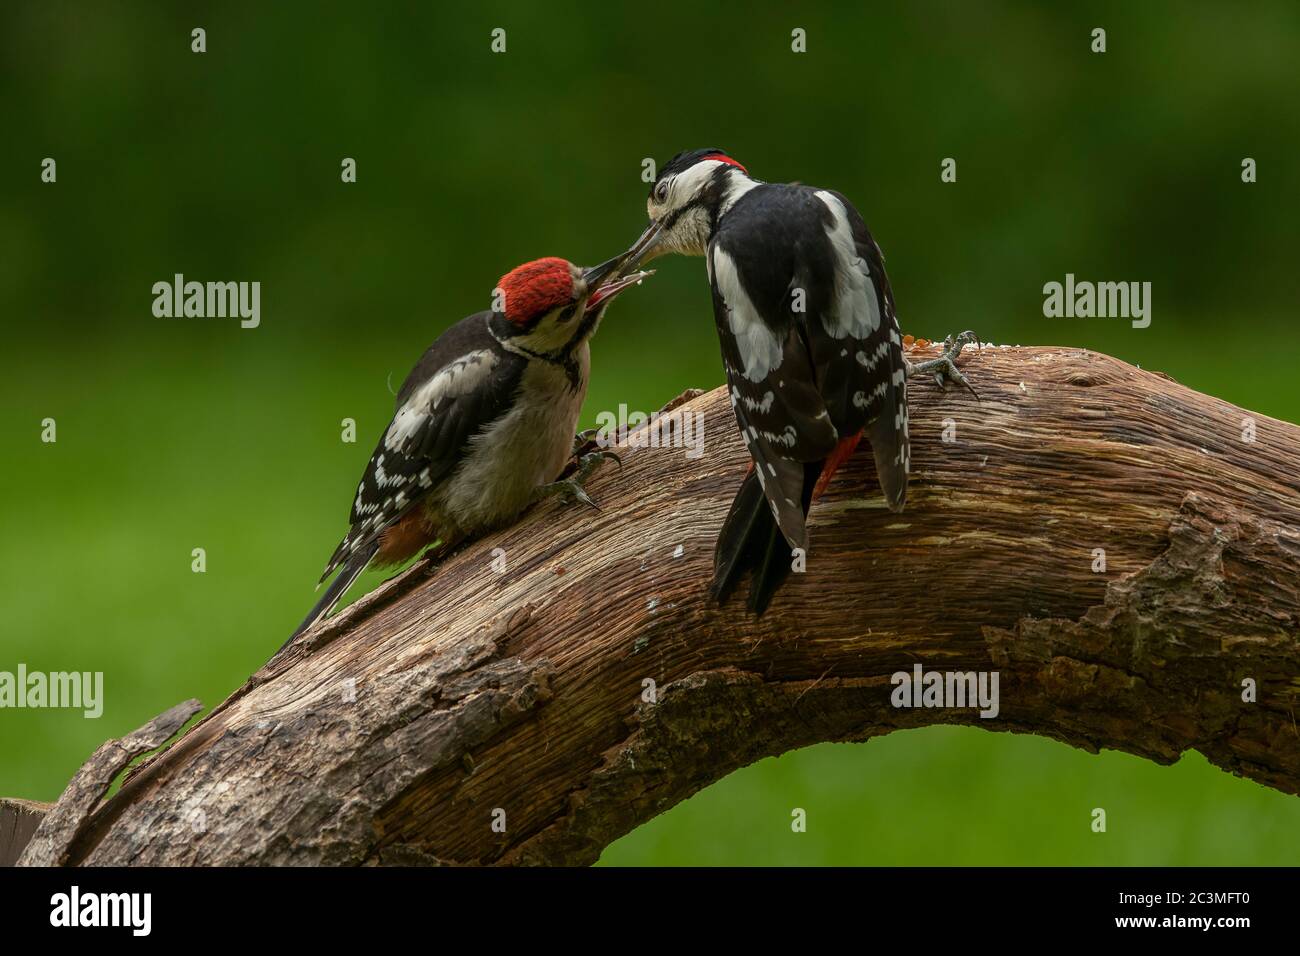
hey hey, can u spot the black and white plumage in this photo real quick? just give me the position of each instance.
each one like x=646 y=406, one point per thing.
x=485 y=419
x=810 y=344
x=461 y=384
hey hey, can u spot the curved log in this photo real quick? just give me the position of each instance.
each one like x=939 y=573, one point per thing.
x=532 y=704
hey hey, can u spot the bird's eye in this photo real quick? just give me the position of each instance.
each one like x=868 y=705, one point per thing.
x=568 y=313
x=661 y=191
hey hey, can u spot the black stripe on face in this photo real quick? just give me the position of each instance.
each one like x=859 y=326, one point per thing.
x=508 y=328
x=589 y=319
x=709 y=198
x=671 y=219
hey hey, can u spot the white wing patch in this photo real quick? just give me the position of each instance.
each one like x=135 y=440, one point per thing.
x=760 y=349
x=856 y=311
x=456 y=378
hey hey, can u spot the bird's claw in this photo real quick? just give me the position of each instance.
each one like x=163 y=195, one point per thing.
x=584 y=437
x=591 y=461
x=571 y=488
x=945 y=366
x=607 y=455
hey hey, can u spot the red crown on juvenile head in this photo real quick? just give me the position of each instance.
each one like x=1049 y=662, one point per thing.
x=536 y=288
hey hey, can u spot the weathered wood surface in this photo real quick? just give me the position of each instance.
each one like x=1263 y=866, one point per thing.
x=403 y=728
x=18 y=821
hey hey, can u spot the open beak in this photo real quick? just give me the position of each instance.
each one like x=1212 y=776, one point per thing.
x=622 y=265
x=642 y=248
x=614 y=275
x=597 y=275
x=609 y=288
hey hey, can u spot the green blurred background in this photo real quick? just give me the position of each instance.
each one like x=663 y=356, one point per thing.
x=183 y=433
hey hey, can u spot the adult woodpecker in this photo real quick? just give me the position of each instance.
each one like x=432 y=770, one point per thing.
x=810 y=344
x=484 y=424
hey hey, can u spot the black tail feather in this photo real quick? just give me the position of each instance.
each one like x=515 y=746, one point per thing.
x=748 y=521
x=350 y=571
x=770 y=571
x=750 y=539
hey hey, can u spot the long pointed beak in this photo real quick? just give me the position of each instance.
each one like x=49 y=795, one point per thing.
x=596 y=275
x=622 y=265
x=642 y=248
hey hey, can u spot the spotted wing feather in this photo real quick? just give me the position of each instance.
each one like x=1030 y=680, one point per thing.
x=781 y=415
x=858 y=348
x=461 y=385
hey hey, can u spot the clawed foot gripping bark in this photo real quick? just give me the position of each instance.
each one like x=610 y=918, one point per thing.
x=531 y=705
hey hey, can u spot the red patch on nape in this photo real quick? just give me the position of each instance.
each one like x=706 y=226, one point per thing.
x=724 y=158
x=535 y=288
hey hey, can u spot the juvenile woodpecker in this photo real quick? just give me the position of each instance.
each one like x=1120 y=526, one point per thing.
x=810 y=345
x=484 y=424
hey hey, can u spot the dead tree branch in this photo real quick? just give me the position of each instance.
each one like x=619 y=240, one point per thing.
x=454 y=698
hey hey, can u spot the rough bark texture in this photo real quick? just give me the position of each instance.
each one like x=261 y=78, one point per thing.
x=444 y=702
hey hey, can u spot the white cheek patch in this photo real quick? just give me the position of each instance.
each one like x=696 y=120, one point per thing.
x=690 y=230
x=687 y=183
x=457 y=378
x=760 y=349
x=856 y=311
